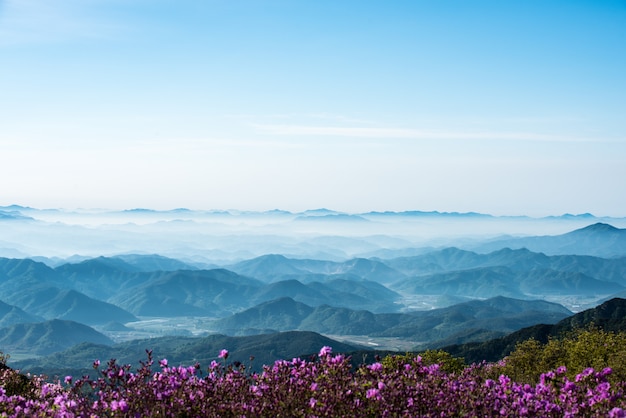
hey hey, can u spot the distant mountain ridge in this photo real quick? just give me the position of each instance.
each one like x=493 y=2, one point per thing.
x=599 y=239
x=373 y=297
x=274 y=267
x=9 y=215
x=32 y=286
x=222 y=237
x=516 y=273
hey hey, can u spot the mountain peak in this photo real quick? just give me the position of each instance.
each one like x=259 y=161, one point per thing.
x=599 y=226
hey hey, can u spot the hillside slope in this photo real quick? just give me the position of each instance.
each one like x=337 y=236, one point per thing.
x=609 y=316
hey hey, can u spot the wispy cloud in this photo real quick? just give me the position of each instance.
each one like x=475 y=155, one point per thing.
x=400 y=133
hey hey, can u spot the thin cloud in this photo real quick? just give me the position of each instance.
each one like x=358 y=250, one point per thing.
x=399 y=133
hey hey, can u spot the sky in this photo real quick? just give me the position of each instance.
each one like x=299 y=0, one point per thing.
x=500 y=107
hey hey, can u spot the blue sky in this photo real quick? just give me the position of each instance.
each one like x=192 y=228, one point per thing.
x=503 y=107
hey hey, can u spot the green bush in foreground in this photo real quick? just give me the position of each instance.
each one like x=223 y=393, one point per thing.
x=14 y=383
x=576 y=351
x=445 y=360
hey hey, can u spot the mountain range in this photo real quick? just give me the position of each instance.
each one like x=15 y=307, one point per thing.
x=599 y=239
x=255 y=351
x=225 y=237
x=425 y=297
x=498 y=315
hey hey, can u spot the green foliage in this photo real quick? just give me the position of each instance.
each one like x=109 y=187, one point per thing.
x=525 y=363
x=446 y=361
x=13 y=382
x=576 y=351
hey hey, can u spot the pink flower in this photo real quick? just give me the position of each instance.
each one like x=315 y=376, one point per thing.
x=376 y=367
x=121 y=405
x=372 y=393
x=325 y=351
x=223 y=354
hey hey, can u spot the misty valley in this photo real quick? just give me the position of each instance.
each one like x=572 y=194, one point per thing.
x=76 y=286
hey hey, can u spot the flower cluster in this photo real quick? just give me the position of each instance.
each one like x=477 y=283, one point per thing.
x=324 y=386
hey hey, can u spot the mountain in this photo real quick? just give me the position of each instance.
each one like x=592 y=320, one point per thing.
x=189 y=293
x=343 y=321
x=435 y=214
x=32 y=286
x=609 y=316
x=275 y=315
x=522 y=259
x=154 y=262
x=293 y=289
x=341 y=293
x=11 y=315
x=369 y=270
x=599 y=239
x=333 y=217
x=285 y=314
x=269 y=267
x=275 y=267
x=101 y=265
x=497 y=314
x=44 y=338
x=516 y=273
x=265 y=349
x=38 y=297
x=550 y=282
x=377 y=298
x=13 y=215
x=101 y=277
x=11 y=268
x=220 y=292
x=73 y=305
x=484 y=282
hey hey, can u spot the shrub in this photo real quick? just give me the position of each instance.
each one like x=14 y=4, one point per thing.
x=445 y=360
x=13 y=382
x=577 y=351
x=328 y=386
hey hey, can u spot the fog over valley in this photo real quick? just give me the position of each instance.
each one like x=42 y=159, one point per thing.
x=221 y=236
